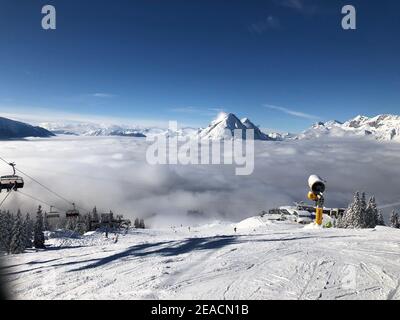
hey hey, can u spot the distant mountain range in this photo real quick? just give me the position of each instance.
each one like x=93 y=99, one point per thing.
x=92 y=129
x=10 y=129
x=381 y=128
x=222 y=127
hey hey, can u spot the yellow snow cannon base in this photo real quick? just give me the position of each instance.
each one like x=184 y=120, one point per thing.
x=319 y=216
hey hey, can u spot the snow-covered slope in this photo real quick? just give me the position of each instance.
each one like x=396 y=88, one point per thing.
x=10 y=129
x=224 y=126
x=278 y=260
x=381 y=127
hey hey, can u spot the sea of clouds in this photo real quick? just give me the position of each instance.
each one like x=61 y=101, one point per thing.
x=112 y=174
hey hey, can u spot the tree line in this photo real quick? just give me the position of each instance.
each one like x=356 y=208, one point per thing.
x=361 y=214
x=17 y=233
x=139 y=224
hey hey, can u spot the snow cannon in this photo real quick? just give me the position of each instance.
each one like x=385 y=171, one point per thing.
x=317 y=186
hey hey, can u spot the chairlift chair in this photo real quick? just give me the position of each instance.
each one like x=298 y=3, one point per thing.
x=73 y=213
x=11 y=182
x=53 y=214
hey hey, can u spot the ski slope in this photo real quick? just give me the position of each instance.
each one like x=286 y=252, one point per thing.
x=278 y=260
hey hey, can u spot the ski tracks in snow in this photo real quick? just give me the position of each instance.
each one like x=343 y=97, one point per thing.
x=277 y=261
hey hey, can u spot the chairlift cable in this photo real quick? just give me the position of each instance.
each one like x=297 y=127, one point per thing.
x=5 y=198
x=41 y=184
x=38 y=200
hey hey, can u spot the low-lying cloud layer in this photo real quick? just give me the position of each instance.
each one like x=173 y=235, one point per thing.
x=112 y=173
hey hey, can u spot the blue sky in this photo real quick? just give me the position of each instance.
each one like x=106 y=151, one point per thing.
x=283 y=63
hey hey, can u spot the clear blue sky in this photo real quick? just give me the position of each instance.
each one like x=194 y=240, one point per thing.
x=184 y=60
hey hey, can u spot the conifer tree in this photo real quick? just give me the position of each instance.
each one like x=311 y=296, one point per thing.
x=18 y=241
x=6 y=226
x=88 y=222
x=28 y=230
x=95 y=215
x=38 y=237
x=352 y=215
x=137 y=223
x=362 y=214
x=339 y=222
x=394 y=220
x=381 y=221
x=371 y=214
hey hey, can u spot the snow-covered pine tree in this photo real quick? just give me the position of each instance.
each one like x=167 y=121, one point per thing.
x=371 y=214
x=136 y=223
x=394 y=220
x=28 y=230
x=338 y=222
x=81 y=225
x=38 y=236
x=18 y=241
x=142 y=225
x=2 y=224
x=352 y=215
x=95 y=215
x=381 y=221
x=2 y=231
x=88 y=222
x=363 y=220
x=6 y=226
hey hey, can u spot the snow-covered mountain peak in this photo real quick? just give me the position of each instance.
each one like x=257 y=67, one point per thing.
x=224 y=125
x=328 y=124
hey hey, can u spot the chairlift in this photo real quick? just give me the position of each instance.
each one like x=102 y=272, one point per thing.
x=11 y=182
x=53 y=214
x=73 y=213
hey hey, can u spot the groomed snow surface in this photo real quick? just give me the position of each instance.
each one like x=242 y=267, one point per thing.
x=274 y=260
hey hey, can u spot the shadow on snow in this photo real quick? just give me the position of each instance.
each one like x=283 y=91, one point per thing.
x=166 y=249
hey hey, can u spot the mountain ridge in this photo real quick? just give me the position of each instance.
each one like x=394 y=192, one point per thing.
x=383 y=127
x=11 y=129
